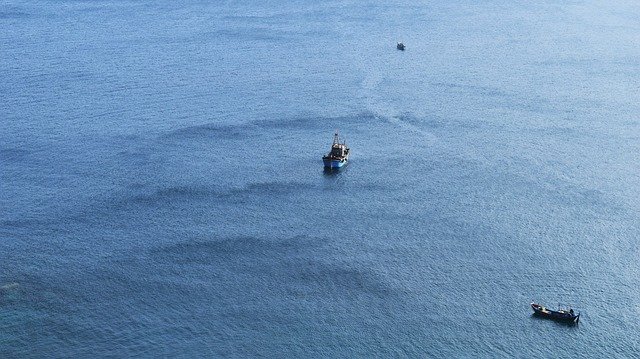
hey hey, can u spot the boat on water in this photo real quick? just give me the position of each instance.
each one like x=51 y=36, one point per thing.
x=400 y=46
x=562 y=315
x=339 y=154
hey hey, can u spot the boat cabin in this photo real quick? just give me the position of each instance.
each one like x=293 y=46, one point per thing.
x=338 y=150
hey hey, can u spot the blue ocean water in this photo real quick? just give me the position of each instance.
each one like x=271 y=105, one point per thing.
x=162 y=191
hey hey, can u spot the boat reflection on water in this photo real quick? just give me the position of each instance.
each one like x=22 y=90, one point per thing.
x=334 y=172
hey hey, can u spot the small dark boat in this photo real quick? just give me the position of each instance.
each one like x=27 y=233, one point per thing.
x=339 y=154
x=562 y=315
x=400 y=46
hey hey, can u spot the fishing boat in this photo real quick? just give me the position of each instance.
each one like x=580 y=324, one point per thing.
x=339 y=154
x=400 y=46
x=562 y=315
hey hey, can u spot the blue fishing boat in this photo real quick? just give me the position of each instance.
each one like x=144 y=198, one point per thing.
x=339 y=154
x=562 y=315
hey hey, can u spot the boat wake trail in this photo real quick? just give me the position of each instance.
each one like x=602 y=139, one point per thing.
x=401 y=121
x=383 y=110
x=9 y=286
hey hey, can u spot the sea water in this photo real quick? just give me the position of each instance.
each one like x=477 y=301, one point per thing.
x=162 y=191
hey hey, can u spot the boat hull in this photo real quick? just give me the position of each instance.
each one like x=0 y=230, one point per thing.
x=334 y=163
x=561 y=316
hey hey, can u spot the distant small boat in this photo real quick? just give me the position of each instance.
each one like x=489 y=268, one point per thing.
x=400 y=46
x=339 y=154
x=562 y=315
